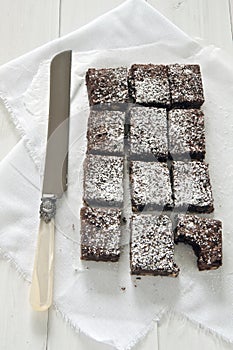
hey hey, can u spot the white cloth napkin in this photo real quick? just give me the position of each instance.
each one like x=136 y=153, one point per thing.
x=91 y=296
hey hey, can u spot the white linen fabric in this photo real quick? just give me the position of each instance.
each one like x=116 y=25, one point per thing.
x=99 y=299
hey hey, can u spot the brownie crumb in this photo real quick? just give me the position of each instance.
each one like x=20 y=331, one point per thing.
x=124 y=220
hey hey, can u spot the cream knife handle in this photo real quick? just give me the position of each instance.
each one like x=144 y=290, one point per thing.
x=41 y=292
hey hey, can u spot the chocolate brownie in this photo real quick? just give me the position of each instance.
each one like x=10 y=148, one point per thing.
x=150 y=186
x=205 y=236
x=191 y=186
x=149 y=85
x=105 y=133
x=186 y=134
x=100 y=233
x=185 y=85
x=103 y=180
x=148 y=133
x=107 y=86
x=152 y=246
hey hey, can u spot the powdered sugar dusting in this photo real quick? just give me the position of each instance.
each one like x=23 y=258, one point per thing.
x=103 y=180
x=151 y=186
x=107 y=85
x=152 y=245
x=191 y=185
x=186 y=133
x=185 y=85
x=149 y=84
x=100 y=233
x=148 y=132
x=106 y=132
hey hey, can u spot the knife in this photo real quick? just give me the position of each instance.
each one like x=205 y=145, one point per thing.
x=55 y=179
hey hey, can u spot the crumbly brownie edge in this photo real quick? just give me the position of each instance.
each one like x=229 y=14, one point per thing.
x=91 y=256
x=181 y=237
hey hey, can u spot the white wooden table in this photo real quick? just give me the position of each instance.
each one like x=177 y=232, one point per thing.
x=24 y=25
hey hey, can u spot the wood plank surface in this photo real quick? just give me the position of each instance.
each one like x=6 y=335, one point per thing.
x=20 y=327
x=25 y=25
x=231 y=17
x=208 y=20
x=76 y=13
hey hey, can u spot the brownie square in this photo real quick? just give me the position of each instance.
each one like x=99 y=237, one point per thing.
x=205 y=236
x=100 y=234
x=148 y=133
x=191 y=186
x=152 y=246
x=105 y=133
x=150 y=186
x=107 y=86
x=186 y=131
x=103 y=180
x=185 y=85
x=149 y=85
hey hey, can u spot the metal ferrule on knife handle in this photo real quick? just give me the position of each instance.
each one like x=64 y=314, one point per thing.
x=54 y=183
x=48 y=207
